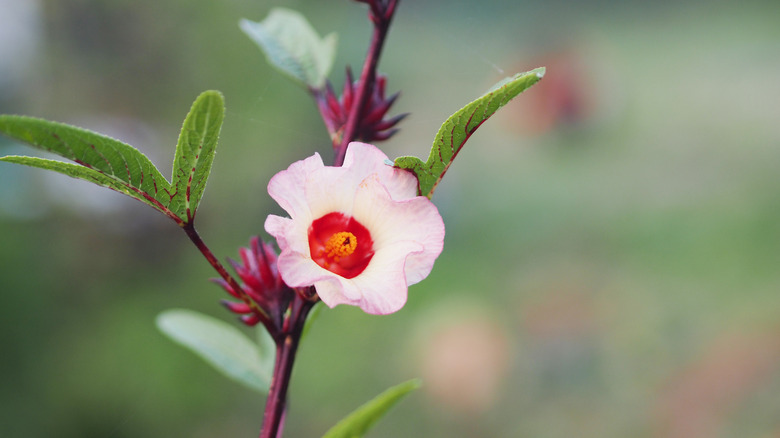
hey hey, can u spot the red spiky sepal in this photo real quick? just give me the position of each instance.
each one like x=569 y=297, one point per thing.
x=260 y=281
x=372 y=126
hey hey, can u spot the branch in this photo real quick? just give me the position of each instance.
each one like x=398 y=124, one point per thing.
x=286 y=348
x=381 y=14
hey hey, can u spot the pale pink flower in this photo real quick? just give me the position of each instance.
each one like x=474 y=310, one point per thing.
x=359 y=233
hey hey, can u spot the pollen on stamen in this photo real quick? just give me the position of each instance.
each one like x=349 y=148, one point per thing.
x=340 y=245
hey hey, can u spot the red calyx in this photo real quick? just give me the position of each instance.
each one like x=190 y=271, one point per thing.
x=260 y=280
x=372 y=125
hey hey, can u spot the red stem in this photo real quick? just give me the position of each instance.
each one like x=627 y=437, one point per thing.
x=189 y=228
x=288 y=340
x=381 y=19
x=286 y=349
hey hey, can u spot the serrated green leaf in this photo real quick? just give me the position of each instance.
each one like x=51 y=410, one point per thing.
x=356 y=424
x=220 y=344
x=293 y=46
x=81 y=172
x=119 y=166
x=107 y=162
x=195 y=153
x=454 y=133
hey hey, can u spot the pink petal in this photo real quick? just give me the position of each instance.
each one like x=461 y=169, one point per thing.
x=277 y=226
x=338 y=290
x=299 y=270
x=416 y=220
x=364 y=159
x=287 y=186
x=383 y=284
x=329 y=190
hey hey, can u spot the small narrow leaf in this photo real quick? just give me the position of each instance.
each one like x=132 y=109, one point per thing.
x=313 y=315
x=357 y=423
x=293 y=46
x=106 y=161
x=195 y=153
x=454 y=133
x=220 y=344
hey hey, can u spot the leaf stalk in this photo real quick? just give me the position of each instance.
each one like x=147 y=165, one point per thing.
x=189 y=229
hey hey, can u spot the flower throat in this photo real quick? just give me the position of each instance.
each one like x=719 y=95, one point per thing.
x=340 y=244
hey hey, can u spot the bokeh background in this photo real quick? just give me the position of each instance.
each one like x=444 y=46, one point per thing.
x=613 y=235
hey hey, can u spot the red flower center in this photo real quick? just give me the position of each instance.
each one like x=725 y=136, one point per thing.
x=340 y=244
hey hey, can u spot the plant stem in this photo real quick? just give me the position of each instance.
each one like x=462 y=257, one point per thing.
x=189 y=229
x=286 y=348
x=381 y=17
x=287 y=341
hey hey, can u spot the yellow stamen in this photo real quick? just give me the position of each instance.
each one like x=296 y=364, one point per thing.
x=341 y=245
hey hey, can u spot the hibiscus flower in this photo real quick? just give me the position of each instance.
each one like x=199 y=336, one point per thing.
x=359 y=233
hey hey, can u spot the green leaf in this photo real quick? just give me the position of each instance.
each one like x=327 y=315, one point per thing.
x=195 y=153
x=458 y=128
x=267 y=349
x=119 y=166
x=218 y=343
x=357 y=423
x=106 y=161
x=313 y=315
x=293 y=47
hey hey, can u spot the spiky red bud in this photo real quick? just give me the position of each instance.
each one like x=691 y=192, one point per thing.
x=260 y=281
x=372 y=125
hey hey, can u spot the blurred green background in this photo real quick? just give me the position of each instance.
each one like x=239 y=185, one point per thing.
x=613 y=235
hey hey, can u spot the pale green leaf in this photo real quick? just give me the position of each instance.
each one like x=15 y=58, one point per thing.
x=267 y=349
x=86 y=174
x=220 y=344
x=293 y=46
x=356 y=424
x=313 y=315
x=195 y=153
x=460 y=126
x=108 y=162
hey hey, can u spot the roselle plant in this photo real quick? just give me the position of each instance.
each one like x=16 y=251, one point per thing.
x=360 y=231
